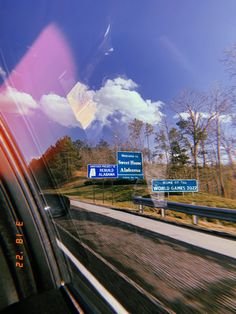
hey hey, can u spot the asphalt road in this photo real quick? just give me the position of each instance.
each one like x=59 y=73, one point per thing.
x=192 y=237
x=182 y=277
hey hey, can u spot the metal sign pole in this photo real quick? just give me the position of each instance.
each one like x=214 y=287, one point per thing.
x=103 y=191
x=112 y=190
x=94 y=193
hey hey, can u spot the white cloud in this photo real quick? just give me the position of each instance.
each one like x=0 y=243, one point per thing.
x=13 y=101
x=182 y=115
x=224 y=118
x=127 y=84
x=118 y=98
x=58 y=109
x=186 y=115
x=120 y=95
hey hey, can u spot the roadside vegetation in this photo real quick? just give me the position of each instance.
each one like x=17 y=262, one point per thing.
x=120 y=195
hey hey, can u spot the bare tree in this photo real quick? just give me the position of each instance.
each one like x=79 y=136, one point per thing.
x=229 y=145
x=195 y=115
x=136 y=133
x=149 y=130
x=221 y=105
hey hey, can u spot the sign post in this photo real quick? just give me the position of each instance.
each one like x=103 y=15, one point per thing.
x=101 y=172
x=94 y=194
x=103 y=195
x=112 y=189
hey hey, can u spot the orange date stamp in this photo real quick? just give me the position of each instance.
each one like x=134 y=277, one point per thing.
x=19 y=243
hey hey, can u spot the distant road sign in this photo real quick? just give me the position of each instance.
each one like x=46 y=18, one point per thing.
x=102 y=171
x=175 y=185
x=130 y=165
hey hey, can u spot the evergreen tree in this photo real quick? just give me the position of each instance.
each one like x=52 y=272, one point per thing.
x=59 y=162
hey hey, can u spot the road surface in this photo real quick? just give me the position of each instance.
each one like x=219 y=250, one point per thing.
x=185 y=278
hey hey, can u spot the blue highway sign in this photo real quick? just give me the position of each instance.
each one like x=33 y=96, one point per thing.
x=130 y=165
x=184 y=185
x=102 y=171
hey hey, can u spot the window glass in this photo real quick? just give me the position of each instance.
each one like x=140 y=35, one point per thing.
x=128 y=109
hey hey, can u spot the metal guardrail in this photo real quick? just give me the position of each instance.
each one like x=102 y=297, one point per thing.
x=194 y=210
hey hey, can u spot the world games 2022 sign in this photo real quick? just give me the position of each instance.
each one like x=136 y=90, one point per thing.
x=187 y=185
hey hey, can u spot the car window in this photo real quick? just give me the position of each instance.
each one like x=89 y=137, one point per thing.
x=124 y=112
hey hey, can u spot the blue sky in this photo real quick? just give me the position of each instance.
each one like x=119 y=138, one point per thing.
x=163 y=46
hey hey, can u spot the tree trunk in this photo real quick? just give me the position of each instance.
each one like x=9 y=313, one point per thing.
x=205 y=167
x=195 y=151
x=149 y=157
x=219 y=165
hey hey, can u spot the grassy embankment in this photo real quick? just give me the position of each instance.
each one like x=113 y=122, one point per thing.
x=120 y=196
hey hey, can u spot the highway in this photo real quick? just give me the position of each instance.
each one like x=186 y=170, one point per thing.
x=192 y=237
x=150 y=266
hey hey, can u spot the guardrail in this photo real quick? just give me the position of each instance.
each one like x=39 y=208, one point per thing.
x=194 y=210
